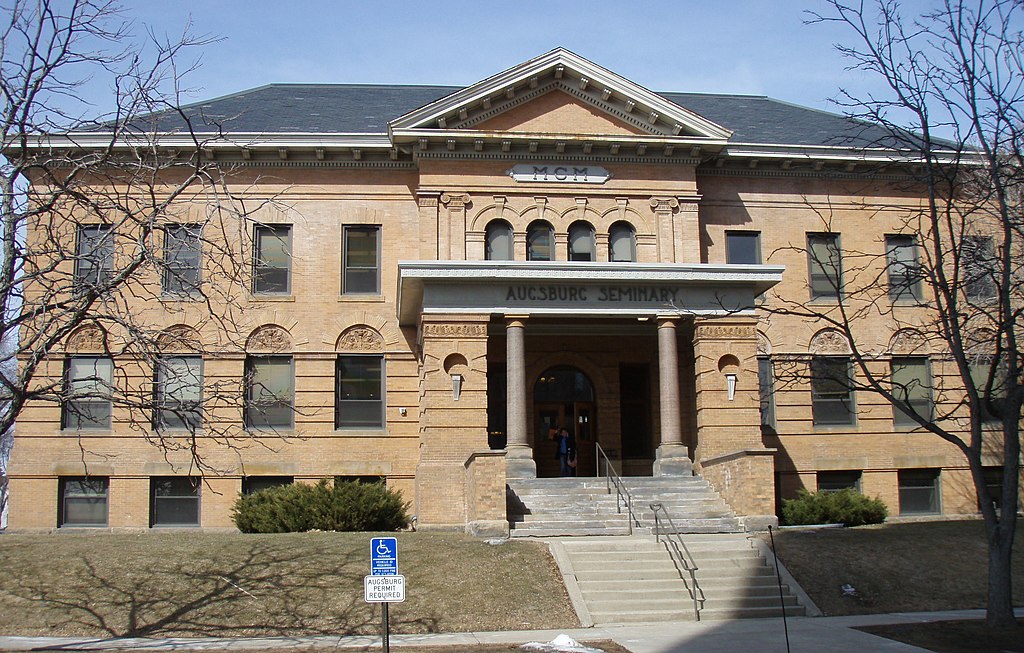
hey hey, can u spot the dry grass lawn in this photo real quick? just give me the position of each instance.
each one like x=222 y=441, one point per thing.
x=896 y=567
x=954 y=637
x=234 y=585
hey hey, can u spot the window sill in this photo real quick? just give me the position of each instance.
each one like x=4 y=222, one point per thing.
x=272 y=298
x=368 y=298
x=835 y=428
x=361 y=432
x=180 y=299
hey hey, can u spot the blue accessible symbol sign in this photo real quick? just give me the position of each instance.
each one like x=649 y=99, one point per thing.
x=383 y=556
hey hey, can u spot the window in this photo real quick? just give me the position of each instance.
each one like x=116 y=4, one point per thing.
x=978 y=266
x=87 y=402
x=766 y=390
x=581 y=242
x=270 y=389
x=540 y=242
x=919 y=492
x=367 y=479
x=83 y=501
x=832 y=401
x=903 y=269
x=179 y=392
x=361 y=265
x=743 y=247
x=984 y=370
x=272 y=259
x=834 y=481
x=499 y=241
x=253 y=484
x=825 y=266
x=182 y=258
x=622 y=243
x=993 y=486
x=360 y=392
x=912 y=387
x=174 y=500
x=94 y=257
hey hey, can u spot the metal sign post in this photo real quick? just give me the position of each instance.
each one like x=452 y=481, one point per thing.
x=384 y=585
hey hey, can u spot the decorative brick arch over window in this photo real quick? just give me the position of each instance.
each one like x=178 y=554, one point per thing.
x=830 y=342
x=87 y=338
x=909 y=342
x=360 y=338
x=269 y=338
x=180 y=338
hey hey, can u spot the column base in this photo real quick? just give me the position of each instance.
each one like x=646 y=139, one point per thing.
x=673 y=460
x=519 y=462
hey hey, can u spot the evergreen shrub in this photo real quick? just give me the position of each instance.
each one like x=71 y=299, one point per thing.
x=343 y=506
x=848 y=507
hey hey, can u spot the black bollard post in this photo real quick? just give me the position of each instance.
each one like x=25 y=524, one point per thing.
x=385 y=629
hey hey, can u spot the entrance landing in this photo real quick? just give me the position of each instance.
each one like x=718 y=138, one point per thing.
x=554 y=507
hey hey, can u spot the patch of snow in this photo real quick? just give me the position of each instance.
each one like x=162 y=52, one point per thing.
x=560 y=644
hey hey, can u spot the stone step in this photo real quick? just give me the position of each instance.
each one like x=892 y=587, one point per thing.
x=719 y=587
x=648 y=574
x=568 y=532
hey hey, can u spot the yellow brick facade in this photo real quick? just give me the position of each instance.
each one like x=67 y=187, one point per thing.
x=432 y=199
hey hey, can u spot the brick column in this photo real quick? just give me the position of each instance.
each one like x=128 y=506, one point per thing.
x=672 y=458
x=520 y=455
x=730 y=453
x=452 y=431
x=453 y=230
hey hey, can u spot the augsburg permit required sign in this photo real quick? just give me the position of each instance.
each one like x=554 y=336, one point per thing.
x=384 y=589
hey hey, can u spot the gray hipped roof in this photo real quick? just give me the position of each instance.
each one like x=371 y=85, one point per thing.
x=367 y=109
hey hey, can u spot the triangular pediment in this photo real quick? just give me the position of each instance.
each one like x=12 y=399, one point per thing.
x=559 y=93
x=557 y=112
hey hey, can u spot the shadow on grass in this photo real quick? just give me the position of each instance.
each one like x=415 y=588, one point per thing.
x=262 y=588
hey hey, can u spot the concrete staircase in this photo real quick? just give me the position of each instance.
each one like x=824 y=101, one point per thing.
x=633 y=579
x=549 y=507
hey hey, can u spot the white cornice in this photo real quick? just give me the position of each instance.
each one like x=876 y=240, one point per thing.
x=581 y=69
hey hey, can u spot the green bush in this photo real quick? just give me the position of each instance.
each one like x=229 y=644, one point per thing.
x=847 y=507
x=343 y=506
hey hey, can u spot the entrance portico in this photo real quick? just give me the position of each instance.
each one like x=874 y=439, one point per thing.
x=620 y=308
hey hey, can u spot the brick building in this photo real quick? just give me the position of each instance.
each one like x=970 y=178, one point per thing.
x=446 y=275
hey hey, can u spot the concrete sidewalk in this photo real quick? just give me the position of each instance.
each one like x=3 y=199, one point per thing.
x=808 y=634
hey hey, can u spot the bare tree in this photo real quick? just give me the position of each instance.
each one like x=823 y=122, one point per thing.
x=121 y=242
x=953 y=88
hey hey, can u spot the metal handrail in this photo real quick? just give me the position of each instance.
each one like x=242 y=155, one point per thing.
x=680 y=555
x=622 y=494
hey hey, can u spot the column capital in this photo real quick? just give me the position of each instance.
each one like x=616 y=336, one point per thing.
x=664 y=204
x=455 y=200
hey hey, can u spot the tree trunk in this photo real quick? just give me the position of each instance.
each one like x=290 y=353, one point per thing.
x=999 y=612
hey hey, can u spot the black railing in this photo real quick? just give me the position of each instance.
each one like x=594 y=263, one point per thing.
x=681 y=556
x=612 y=479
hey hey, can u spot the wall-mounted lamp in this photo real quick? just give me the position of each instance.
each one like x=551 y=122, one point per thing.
x=730 y=383
x=403 y=411
x=456 y=386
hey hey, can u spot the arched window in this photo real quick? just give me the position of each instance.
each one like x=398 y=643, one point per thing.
x=581 y=242
x=621 y=243
x=499 y=241
x=540 y=242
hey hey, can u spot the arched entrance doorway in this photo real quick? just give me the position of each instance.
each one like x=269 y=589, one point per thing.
x=563 y=396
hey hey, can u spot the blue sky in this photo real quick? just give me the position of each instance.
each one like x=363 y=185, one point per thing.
x=737 y=46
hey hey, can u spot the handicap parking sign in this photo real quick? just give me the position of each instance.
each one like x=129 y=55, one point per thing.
x=383 y=556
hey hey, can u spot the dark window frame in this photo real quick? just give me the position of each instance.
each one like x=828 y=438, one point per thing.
x=63 y=496
x=171 y=494
x=94 y=256
x=825 y=277
x=168 y=410
x=835 y=480
x=978 y=266
x=263 y=269
x=253 y=484
x=350 y=272
x=535 y=231
x=766 y=394
x=95 y=402
x=617 y=232
x=902 y=391
x=824 y=398
x=183 y=260
x=733 y=252
x=581 y=231
x=911 y=486
x=343 y=408
x=257 y=416
x=491 y=235
x=903 y=272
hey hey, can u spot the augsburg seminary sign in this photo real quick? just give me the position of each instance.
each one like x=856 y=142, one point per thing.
x=561 y=173
x=560 y=293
